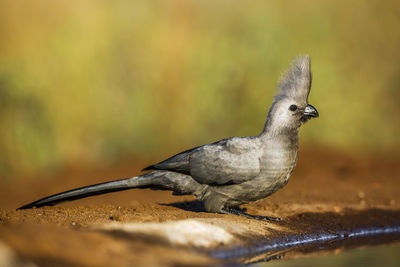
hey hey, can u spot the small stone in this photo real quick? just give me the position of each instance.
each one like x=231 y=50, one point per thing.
x=115 y=218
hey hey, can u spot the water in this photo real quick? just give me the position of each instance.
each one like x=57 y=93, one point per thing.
x=309 y=243
x=368 y=246
x=382 y=255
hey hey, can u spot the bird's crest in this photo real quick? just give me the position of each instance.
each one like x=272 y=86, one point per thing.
x=296 y=81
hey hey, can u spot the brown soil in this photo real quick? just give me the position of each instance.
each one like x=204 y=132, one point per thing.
x=329 y=191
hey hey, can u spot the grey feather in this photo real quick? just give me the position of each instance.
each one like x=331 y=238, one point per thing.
x=232 y=161
x=232 y=171
x=296 y=81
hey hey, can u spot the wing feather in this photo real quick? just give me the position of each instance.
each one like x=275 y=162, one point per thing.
x=235 y=161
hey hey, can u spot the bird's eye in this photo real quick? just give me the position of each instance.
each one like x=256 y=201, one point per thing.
x=293 y=107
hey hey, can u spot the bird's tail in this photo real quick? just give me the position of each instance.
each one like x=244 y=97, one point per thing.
x=165 y=180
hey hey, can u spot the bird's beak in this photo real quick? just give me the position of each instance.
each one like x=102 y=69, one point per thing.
x=310 y=111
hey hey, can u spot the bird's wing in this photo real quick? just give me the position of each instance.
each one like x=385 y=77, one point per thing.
x=177 y=163
x=230 y=161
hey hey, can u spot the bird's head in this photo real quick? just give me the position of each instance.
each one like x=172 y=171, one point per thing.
x=290 y=108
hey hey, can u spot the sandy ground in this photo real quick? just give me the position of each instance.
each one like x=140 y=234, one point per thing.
x=330 y=191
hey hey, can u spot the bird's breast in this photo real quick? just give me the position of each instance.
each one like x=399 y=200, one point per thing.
x=277 y=163
x=279 y=156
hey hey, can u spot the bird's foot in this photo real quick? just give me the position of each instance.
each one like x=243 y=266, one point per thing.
x=244 y=214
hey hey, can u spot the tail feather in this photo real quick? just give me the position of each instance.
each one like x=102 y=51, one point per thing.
x=177 y=182
x=82 y=192
x=149 y=168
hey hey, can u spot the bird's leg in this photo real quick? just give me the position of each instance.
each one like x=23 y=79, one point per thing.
x=244 y=214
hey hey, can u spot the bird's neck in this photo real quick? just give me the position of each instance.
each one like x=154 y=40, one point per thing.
x=279 y=133
x=273 y=129
x=282 y=140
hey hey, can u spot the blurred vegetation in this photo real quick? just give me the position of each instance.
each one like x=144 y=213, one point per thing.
x=97 y=81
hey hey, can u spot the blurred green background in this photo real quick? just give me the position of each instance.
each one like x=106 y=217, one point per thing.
x=100 y=81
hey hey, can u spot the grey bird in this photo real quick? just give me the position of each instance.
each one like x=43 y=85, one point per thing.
x=232 y=171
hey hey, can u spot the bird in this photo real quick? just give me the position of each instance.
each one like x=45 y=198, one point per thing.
x=233 y=171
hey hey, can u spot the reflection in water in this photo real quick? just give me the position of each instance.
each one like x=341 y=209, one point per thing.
x=293 y=246
x=382 y=255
